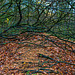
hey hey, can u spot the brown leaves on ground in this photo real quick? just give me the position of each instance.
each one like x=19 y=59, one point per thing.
x=17 y=57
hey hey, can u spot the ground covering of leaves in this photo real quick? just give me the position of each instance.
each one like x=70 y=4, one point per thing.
x=37 y=54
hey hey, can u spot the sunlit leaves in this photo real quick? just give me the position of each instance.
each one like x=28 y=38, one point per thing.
x=7 y=20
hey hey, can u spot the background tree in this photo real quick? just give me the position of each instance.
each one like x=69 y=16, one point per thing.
x=54 y=17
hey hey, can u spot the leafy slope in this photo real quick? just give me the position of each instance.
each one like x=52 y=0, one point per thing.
x=37 y=53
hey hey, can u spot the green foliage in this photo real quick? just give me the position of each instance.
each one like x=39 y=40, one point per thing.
x=27 y=72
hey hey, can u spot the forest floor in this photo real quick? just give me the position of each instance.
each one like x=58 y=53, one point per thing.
x=37 y=54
